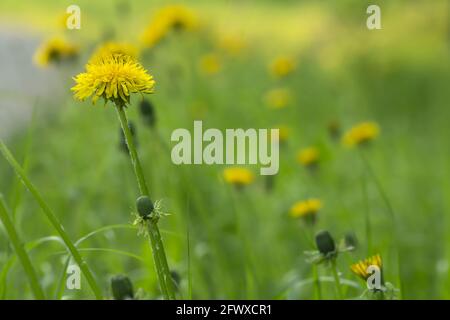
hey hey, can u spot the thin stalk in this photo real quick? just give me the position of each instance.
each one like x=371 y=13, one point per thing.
x=317 y=288
x=20 y=251
x=391 y=214
x=188 y=242
x=367 y=215
x=159 y=255
x=336 y=279
x=53 y=220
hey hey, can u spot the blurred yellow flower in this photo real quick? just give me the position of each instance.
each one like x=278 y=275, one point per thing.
x=210 y=63
x=113 y=77
x=55 y=50
x=278 y=98
x=284 y=133
x=62 y=20
x=238 y=176
x=306 y=209
x=233 y=45
x=308 y=156
x=360 y=268
x=361 y=133
x=111 y=48
x=172 y=17
x=282 y=66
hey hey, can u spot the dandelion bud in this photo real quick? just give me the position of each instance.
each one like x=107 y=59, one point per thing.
x=148 y=112
x=325 y=243
x=350 y=240
x=121 y=287
x=144 y=206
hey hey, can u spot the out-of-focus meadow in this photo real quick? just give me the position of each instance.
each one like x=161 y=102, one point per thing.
x=310 y=68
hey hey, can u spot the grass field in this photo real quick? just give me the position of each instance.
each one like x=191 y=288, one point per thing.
x=224 y=241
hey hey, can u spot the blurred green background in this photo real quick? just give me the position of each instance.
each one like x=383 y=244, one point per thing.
x=397 y=76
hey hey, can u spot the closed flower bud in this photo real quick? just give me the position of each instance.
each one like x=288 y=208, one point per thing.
x=121 y=287
x=144 y=206
x=325 y=243
x=350 y=240
x=148 y=112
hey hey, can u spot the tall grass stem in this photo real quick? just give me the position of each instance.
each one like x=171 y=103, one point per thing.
x=20 y=250
x=337 y=279
x=53 y=220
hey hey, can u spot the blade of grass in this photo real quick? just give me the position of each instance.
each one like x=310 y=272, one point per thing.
x=16 y=194
x=20 y=250
x=109 y=250
x=337 y=280
x=188 y=252
x=53 y=220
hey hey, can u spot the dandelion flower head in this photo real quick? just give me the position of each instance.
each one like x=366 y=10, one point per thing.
x=55 y=50
x=233 y=45
x=360 y=268
x=282 y=66
x=361 y=133
x=112 y=48
x=238 y=176
x=210 y=63
x=306 y=208
x=278 y=98
x=308 y=156
x=113 y=77
x=172 y=17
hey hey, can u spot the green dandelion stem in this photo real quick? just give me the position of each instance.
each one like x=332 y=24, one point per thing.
x=132 y=150
x=367 y=215
x=53 y=220
x=20 y=250
x=337 y=279
x=159 y=255
x=391 y=214
x=318 y=290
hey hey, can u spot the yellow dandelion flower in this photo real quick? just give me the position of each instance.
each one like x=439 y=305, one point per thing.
x=306 y=208
x=283 y=133
x=238 y=176
x=112 y=48
x=114 y=78
x=55 y=50
x=308 y=156
x=361 y=134
x=278 y=98
x=62 y=20
x=282 y=66
x=233 y=45
x=173 y=17
x=210 y=63
x=154 y=34
x=360 y=268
